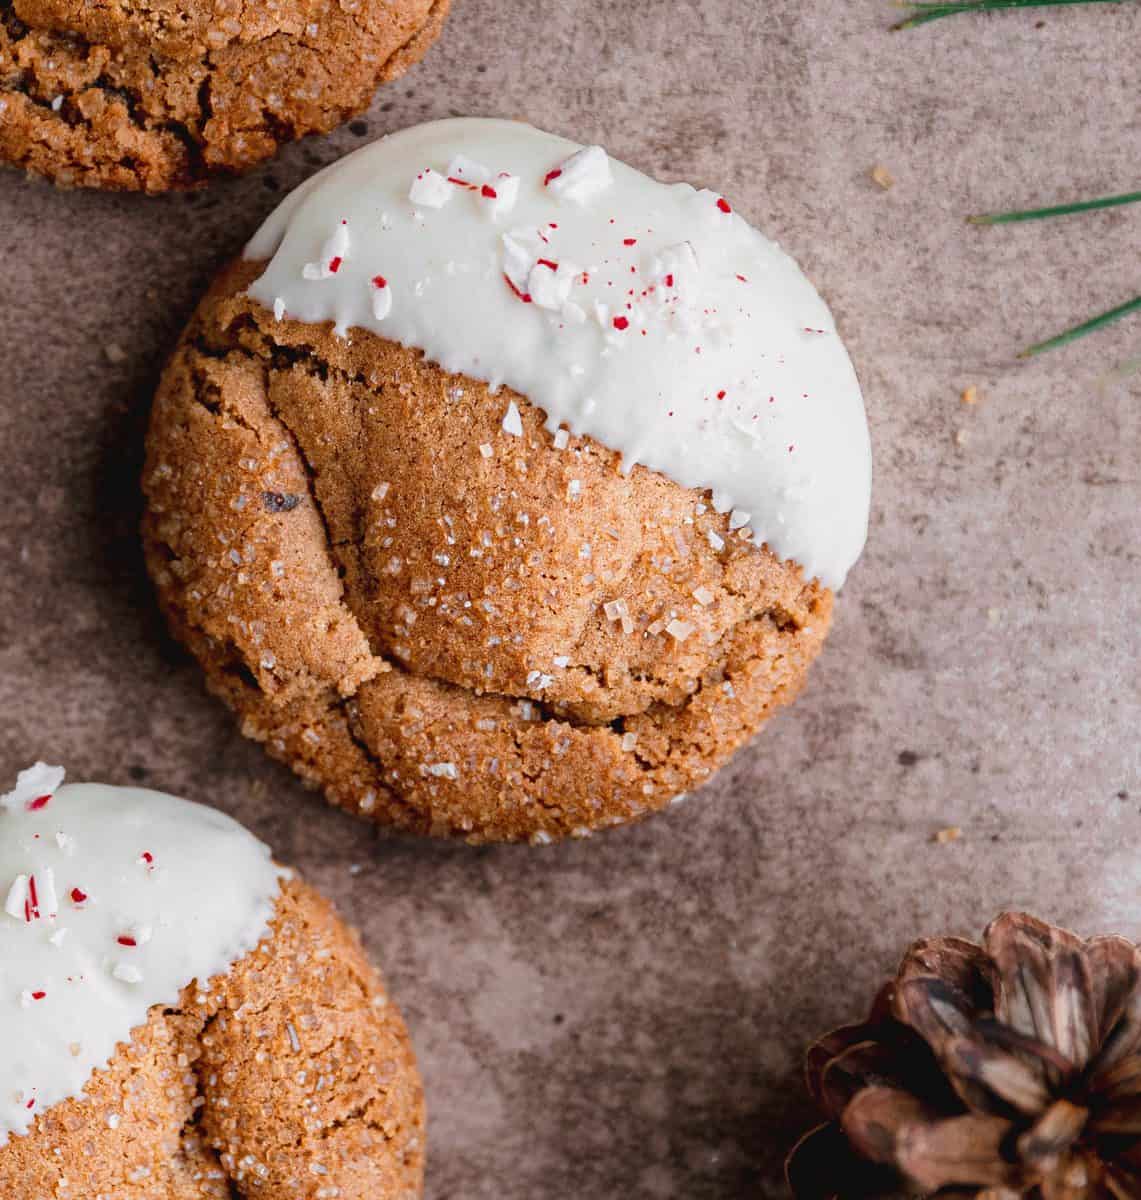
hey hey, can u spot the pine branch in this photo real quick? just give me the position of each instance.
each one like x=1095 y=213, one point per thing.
x=1057 y=210
x=923 y=11
x=1078 y=331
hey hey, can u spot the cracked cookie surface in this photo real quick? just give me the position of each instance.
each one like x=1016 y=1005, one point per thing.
x=290 y=1076
x=153 y=95
x=451 y=629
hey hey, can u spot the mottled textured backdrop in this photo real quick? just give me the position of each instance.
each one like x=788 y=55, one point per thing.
x=623 y=1017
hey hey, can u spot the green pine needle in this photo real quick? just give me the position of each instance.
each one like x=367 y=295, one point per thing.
x=1057 y=210
x=931 y=10
x=1072 y=335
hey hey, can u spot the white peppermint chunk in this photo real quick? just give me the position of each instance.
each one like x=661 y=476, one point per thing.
x=125 y=973
x=676 y=270
x=48 y=901
x=430 y=189
x=581 y=177
x=14 y=905
x=550 y=287
x=468 y=171
x=333 y=254
x=500 y=195
x=32 y=783
x=381 y=298
x=518 y=259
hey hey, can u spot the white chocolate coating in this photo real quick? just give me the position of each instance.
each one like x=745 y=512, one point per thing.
x=86 y=872
x=648 y=316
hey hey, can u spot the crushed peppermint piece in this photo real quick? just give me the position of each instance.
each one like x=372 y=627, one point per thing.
x=737 y=518
x=16 y=905
x=125 y=973
x=562 y=439
x=47 y=900
x=466 y=172
x=512 y=422
x=486 y=450
x=294 y=1040
x=703 y=595
x=57 y=938
x=78 y=897
x=501 y=195
x=31 y=784
x=443 y=770
x=381 y=297
x=278 y=309
x=333 y=254
x=679 y=630
x=430 y=189
x=715 y=539
x=582 y=177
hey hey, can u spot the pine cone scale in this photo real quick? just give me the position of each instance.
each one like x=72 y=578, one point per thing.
x=1009 y=1070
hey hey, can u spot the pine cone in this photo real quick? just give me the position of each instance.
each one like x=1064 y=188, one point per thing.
x=1006 y=1071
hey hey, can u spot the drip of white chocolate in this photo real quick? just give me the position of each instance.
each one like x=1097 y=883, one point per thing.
x=646 y=315
x=115 y=899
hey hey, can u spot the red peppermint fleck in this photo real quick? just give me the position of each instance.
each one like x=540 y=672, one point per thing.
x=742 y=279
x=78 y=896
x=379 y=281
x=32 y=904
x=620 y=322
x=724 y=205
x=552 y=175
x=461 y=182
x=38 y=995
x=721 y=395
x=335 y=264
x=546 y=262
x=124 y=940
x=670 y=280
x=629 y=241
x=488 y=191
x=31 y=1104
x=147 y=857
x=791 y=449
x=38 y=803
x=524 y=296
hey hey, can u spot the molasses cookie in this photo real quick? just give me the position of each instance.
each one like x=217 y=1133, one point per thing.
x=501 y=490
x=146 y=96
x=183 y=1019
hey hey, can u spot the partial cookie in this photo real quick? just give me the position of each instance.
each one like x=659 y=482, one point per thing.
x=485 y=489
x=145 y=96
x=183 y=1020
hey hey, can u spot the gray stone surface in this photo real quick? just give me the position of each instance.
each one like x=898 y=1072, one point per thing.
x=624 y=1017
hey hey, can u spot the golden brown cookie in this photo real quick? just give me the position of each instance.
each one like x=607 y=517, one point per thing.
x=150 y=95
x=286 y=1074
x=450 y=630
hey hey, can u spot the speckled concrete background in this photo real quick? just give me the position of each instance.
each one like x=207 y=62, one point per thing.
x=624 y=1017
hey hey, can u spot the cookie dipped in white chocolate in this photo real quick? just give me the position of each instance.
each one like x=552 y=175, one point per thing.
x=115 y=899
x=648 y=316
